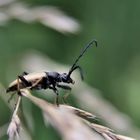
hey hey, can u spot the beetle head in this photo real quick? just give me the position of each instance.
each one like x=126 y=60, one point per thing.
x=66 y=78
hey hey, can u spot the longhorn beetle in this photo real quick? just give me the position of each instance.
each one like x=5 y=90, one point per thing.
x=48 y=80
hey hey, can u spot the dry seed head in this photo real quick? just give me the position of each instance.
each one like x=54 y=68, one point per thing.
x=14 y=128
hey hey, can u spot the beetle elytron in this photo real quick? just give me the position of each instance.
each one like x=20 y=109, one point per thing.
x=48 y=80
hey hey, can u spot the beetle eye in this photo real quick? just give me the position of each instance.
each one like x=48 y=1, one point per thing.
x=66 y=78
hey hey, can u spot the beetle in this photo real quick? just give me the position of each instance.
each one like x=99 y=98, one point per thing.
x=48 y=80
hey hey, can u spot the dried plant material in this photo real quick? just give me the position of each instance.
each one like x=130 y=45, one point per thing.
x=120 y=137
x=14 y=126
x=16 y=132
x=66 y=123
x=24 y=135
x=56 y=19
x=87 y=97
x=106 y=132
x=47 y=15
x=64 y=119
x=79 y=112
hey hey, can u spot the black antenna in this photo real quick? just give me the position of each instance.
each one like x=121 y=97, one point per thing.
x=81 y=54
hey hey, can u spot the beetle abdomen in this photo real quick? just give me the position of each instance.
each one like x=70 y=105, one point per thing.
x=31 y=78
x=14 y=87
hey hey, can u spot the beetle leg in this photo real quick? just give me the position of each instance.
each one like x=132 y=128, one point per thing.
x=65 y=97
x=64 y=87
x=36 y=83
x=57 y=97
x=24 y=81
x=57 y=94
x=18 y=88
x=11 y=97
x=18 y=91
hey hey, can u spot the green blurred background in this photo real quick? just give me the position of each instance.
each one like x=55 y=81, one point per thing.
x=113 y=68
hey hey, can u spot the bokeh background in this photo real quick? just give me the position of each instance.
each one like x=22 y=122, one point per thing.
x=58 y=29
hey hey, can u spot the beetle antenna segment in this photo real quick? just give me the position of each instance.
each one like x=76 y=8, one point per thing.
x=80 y=70
x=74 y=66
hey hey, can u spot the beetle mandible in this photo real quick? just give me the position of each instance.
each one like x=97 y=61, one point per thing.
x=48 y=80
